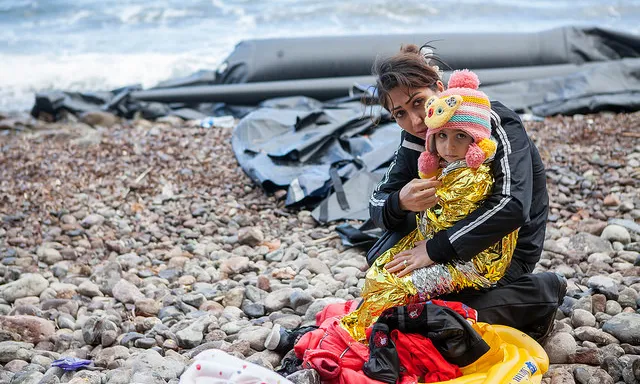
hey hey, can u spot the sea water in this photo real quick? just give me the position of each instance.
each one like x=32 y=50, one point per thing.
x=88 y=45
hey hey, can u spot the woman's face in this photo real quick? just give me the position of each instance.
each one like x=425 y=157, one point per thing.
x=407 y=107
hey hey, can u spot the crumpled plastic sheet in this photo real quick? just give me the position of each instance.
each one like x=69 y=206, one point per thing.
x=213 y=366
x=71 y=363
x=462 y=191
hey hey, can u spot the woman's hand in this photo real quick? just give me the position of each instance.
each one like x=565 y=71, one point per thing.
x=407 y=261
x=419 y=195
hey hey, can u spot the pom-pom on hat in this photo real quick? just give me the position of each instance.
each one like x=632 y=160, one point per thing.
x=462 y=106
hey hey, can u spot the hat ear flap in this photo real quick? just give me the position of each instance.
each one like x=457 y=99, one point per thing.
x=475 y=156
x=427 y=164
x=488 y=147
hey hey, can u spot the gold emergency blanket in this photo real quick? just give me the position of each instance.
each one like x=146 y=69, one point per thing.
x=462 y=190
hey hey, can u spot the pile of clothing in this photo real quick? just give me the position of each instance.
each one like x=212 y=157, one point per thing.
x=426 y=342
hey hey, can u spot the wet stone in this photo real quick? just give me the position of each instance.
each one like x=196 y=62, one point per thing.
x=27 y=377
x=15 y=365
x=128 y=339
x=253 y=309
x=625 y=327
x=613 y=366
x=145 y=343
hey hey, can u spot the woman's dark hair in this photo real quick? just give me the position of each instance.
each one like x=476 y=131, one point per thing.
x=410 y=68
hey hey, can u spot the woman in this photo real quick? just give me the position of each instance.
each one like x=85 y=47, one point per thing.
x=519 y=199
x=460 y=154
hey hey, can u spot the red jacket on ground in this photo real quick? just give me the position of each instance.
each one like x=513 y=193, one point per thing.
x=421 y=359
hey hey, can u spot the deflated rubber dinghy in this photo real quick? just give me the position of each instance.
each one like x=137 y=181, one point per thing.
x=563 y=70
x=339 y=56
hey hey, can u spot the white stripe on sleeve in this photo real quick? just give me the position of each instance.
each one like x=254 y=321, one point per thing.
x=506 y=186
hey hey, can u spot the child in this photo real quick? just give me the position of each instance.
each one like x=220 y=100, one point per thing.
x=459 y=150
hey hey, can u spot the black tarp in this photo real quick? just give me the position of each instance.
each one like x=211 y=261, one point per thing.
x=610 y=86
x=312 y=147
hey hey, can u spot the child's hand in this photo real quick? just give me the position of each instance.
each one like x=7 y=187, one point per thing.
x=419 y=195
x=407 y=261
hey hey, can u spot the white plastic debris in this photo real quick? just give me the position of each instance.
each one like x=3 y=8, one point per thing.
x=214 y=366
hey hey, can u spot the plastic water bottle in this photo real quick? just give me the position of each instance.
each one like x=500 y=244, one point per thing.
x=221 y=121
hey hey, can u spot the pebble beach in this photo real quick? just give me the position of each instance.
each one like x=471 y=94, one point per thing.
x=138 y=244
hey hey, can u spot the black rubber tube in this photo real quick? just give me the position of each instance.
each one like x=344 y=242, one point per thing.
x=326 y=88
x=335 y=56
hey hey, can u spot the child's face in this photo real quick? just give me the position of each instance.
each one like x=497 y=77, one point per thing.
x=452 y=144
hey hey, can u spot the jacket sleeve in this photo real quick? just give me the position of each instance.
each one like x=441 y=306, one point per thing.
x=384 y=204
x=507 y=208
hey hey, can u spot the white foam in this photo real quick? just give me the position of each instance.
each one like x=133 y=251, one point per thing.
x=238 y=14
x=13 y=4
x=228 y=9
x=76 y=17
x=171 y=13
x=21 y=76
x=128 y=15
x=140 y=14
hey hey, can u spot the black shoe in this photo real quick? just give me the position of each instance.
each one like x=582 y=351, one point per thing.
x=290 y=364
x=384 y=363
x=283 y=340
x=548 y=327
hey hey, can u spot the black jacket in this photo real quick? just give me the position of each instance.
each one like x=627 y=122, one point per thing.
x=519 y=198
x=451 y=334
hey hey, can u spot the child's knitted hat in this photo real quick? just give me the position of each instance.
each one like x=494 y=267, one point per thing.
x=462 y=106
